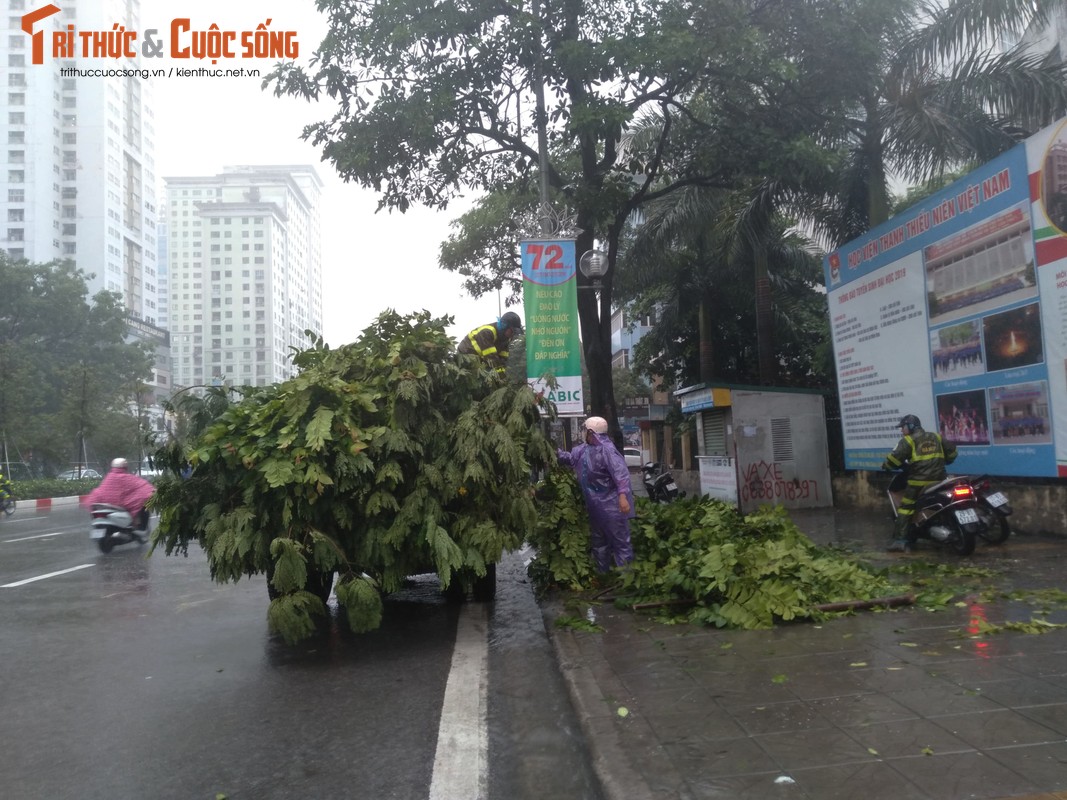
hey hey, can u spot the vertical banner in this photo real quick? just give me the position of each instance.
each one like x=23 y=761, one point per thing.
x=550 y=300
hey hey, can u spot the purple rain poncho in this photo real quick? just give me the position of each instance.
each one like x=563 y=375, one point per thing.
x=603 y=476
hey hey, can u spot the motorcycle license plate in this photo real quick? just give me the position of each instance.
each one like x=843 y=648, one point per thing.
x=97 y=533
x=996 y=499
x=966 y=516
x=672 y=486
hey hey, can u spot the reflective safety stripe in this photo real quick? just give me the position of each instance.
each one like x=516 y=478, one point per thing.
x=916 y=457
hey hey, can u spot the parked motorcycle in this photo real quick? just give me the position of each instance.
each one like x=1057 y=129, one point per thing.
x=659 y=483
x=956 y=511
x=113 y=525
x=994 y=509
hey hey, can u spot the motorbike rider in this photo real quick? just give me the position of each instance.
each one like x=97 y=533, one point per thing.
x=490 y=341
x=924 y=454
x=122 y=488
x=6 y=488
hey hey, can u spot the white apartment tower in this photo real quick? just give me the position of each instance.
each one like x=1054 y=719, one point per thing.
x=80 y=156
x=244 y=273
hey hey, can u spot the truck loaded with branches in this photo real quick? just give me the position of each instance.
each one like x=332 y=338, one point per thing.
x=384 y=458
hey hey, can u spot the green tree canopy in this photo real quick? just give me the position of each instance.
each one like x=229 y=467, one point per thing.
x=65 y=367
x=434 y=99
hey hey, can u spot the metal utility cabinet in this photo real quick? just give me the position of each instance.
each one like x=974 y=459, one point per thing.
x=760 y=445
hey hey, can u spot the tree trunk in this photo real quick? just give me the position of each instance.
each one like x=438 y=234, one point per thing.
x=877 y=191
x=768 y=367
x=594 y=315
x=707 y=347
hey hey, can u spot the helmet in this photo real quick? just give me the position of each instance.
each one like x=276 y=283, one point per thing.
x=910 y=422
x=118 y=463
x=511 y=320
x=596 y=425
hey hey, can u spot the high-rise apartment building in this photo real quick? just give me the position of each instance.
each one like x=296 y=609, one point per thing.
x=244 y=271
x=79 y=156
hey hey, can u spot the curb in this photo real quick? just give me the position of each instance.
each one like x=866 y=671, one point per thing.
x=43 y=504
x=595 y=692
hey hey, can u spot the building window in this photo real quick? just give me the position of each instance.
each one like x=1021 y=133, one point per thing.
x=14 y=234
x=15 y=215
x=16 y=176
x=16 y=195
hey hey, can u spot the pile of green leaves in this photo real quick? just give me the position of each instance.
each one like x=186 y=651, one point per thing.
x=701 y=560
x=387 y=457
x=561 y=537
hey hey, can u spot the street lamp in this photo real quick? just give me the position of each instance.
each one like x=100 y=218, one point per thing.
x=594 y=266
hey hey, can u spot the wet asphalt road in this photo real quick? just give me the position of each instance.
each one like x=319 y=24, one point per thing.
x=135 y=677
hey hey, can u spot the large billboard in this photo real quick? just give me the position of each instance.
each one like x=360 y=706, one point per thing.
x=956 y=311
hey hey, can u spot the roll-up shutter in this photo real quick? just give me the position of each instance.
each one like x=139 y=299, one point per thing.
x=714 y=423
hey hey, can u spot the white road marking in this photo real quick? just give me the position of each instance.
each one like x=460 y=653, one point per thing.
x=460 y=768
x=38 y=536
x=42 y=577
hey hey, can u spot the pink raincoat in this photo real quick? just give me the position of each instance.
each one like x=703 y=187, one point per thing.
x=120 y=488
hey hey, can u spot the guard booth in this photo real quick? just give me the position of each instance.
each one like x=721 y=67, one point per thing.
x=760 y=445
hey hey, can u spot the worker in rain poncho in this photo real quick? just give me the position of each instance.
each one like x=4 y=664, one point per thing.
x=609 y=498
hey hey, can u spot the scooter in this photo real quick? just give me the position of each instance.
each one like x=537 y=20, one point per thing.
x=113 y=525
x=659 y=484
x=955 y=512
x=994 y=509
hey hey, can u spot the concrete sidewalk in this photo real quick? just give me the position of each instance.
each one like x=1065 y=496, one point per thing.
x=894 y=704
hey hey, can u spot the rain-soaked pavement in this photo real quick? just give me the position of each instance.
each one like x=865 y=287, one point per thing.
x=909 y=703
x=131 y=678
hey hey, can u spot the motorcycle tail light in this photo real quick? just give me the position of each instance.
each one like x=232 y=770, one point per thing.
x=961 y=491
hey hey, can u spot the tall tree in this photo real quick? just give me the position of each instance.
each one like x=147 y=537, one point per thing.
x=919 y=89
x=434 y=98
x=65 y=369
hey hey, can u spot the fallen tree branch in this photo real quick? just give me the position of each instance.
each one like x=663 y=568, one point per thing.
x=877 y=602
x=663 y=603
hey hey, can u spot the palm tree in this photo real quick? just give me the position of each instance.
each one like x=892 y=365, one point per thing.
x=934 y=90
x=692 y=258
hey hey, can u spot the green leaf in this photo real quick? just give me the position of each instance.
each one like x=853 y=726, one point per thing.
x=278 y=472
x=292 y=615
x=318 y=429
x=290 y=567
x=362 y=602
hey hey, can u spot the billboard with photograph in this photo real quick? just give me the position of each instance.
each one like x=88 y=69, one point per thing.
x=956 y=311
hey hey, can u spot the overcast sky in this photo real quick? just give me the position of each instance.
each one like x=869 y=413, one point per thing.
x=371 y=261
